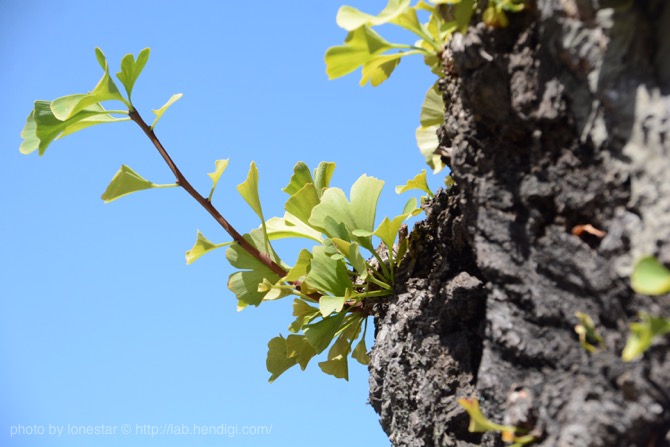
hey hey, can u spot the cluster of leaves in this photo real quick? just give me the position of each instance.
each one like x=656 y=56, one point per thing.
x=329 y=283
x=364 y=47
x=480 y=423
x=649 y=277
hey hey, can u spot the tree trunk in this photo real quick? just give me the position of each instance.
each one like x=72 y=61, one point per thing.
x=560 y=120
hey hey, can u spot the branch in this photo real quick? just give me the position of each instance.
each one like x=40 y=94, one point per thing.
x=206 y=204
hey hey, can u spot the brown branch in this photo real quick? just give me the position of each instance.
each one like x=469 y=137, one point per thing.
x=206 y=204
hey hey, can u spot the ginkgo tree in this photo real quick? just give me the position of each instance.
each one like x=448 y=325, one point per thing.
x=354 y=259
x=331 y=284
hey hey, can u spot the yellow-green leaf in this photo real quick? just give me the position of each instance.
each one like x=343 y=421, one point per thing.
x=650 y=277
x=159 y=112
x=418 y=182
x=219 y=167
x=642 y=335
x=359 y=47
x=351 y=18
x=127 y=181
x=202 y=245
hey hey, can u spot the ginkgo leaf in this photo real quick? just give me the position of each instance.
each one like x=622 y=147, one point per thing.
x=426 y=139
x=329 y=304
x=297 y=347
x=202 y=245
x=387 y=231
x=219 y=167
x=642 y=335
x=351 y=251
x=322 y=176
x=360 y=46
x=42 y=127
x=432 y=109
x=321 y=333
x=290 y=226
x=66 y=107
x=650 y=277
x=244 y=284
x=379 y=69
x=359 y=214
x=479 y=422
x=301 y=266
x=360 y=352
x=278 y=361
x=351 y=18
x=328 y=275
x=302 y=203
x=159 y=112
x=131 y=69
x=304 y=313
x=337 y=366
x=418 y=182
x=301 y=176
x=127 y=181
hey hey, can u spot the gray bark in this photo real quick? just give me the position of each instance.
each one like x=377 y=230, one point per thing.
x=561 y=119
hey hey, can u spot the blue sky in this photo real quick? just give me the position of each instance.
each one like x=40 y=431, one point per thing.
x=103 y=324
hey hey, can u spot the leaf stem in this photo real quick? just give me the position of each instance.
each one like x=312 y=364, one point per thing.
x=206 y=204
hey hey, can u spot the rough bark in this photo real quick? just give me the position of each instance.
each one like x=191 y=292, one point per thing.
x=561 y=119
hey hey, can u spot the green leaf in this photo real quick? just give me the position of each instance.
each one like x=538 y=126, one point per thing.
x=202 y=246
x=418 y=182
x=274 y=291
x=301 y=266
x=361 y=352
x=329 y=304
x=301 y=176
x=245 y=284
x=426 y=139
x=432 y=109
x=360 y=46
x=379 y=69
x=249 y=191
x=66 y=107
x=131 y=69
x=357 y=215
x=328 y=275
x=351 y=251
x=642 y=335
x=290 y=226
x=387 y=231
x=320 y=334
x=219 y=167
x=298 y=347
x=159 y=112
x=410 y=21
x=278 y=360
x=304 y=313
x=589 y=337
x=351 y=18
x=303 y=202
x=42 y=127
x=337 y=364
x=241 y=259
x=650 y=277
x=322 y=175
x=463 y=14
x=479 y=422
x=30 y=141
x=127 y=181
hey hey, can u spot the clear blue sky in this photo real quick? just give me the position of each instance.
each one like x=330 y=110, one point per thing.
x=103 y=324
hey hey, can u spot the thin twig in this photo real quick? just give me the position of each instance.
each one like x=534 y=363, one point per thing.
x=206 y=204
